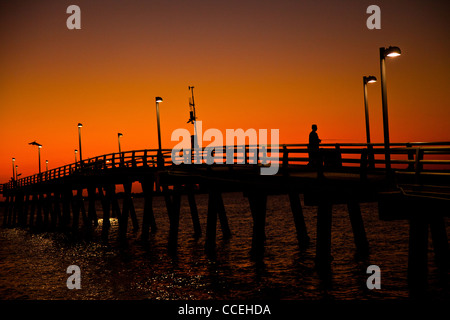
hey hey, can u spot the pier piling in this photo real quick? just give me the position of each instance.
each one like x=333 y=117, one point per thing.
x=299 y=219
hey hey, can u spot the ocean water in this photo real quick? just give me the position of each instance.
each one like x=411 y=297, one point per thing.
x=33 y=265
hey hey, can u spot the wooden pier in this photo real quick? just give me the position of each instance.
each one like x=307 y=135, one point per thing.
x=417 y=190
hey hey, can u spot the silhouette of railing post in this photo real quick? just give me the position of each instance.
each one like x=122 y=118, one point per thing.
x=411 y=153
x=418 y=164
x=364 y=165
x=144 y=159
x=285 y=163
x=133 y=159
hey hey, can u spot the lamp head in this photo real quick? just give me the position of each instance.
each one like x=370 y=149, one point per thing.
x=392 y=51
x=76 y=151
x=119 y=135
x=14 y=159
x=370 y=79
x=80 y=125
x=158 y=99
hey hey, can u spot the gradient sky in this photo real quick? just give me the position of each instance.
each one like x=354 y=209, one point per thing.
x=254 y=64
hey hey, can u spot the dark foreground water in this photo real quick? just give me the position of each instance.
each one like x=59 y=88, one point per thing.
x=33 y=266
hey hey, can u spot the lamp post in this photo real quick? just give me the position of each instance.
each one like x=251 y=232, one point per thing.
x=160 y=159
x=76 y=151
x=79 y=141
x=193 y=120
x=118 y=137
x=366 y=80
x=39 y=156
x=386 y=52
x=370 y=155
x=46 y=165
x=13 y=161
x=34 y=143
x=16 y=170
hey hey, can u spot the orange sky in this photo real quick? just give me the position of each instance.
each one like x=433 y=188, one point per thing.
x=254 y=64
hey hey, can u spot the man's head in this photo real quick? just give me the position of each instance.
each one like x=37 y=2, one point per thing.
x=314 y=127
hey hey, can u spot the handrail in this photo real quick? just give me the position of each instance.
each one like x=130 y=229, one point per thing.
x=346 y=155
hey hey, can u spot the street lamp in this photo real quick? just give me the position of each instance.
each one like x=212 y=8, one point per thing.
x=76 y=151
x=118 y=137
x=386 y=52
x=79 y=140
x=16 y=170
x=160 y=159
x=34 y=143
x=13 y=161
x=46 y=165
x=39 y=155
x=366 y=80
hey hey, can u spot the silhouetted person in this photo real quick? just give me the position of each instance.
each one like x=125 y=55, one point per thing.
x=313 y=146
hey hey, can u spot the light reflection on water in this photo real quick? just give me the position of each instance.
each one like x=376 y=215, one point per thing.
x=34 y=265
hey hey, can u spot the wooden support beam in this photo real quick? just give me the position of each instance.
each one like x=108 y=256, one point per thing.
x=173 y=205
x=26 y=204
x=66 y=201
x=417 y=253
x=106 y=204
x=92 y=212
x=15 y=211
x=258 y=205
x=148 y=220
x=133 y=216
x=57 y=207
x=123 y=218
x=115 y=208
x=6 y=210
x=440 y=246
x=223 y=217
x=76 y=207
x=211 y=223
x=40 y=199
x=32 y=210
x=359 y=232
x=323 y=242
x=299 y=219
x=46 y=208
x=194 y=213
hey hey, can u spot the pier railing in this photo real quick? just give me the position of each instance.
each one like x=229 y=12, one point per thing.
x=406 y=159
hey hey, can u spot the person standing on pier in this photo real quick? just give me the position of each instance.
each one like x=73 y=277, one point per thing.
x=313 y=146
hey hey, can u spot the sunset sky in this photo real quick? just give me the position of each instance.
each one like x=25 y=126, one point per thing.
x=254 y=64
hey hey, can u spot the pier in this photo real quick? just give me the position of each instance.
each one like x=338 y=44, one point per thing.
x=416 y=189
